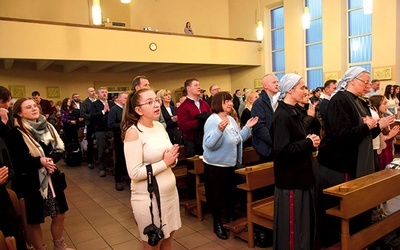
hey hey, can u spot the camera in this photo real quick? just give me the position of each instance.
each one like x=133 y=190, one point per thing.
x=154 y=233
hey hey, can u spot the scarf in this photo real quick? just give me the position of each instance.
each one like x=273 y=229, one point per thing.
x=349 y=75
x=44 y=132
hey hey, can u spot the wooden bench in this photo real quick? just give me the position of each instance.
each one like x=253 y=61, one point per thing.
x=360 y=195
x=249 y=156
x=260 y=212
x=180 y=170
x=195 y=206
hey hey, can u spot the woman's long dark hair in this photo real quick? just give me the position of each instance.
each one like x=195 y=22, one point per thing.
x=17 y=109
x=130 y=116
x=387 y=94
x=64 y=105
x=376 y=102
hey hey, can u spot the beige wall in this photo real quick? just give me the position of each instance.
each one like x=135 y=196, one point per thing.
x=68 y=11
x=208 y=17
x=78 y=82
x=229 y=18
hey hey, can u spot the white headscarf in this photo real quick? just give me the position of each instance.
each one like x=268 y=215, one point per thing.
x=286 y=83
x=347 y=77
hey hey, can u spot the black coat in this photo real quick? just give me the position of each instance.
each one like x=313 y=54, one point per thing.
x=292 y=151
x=343 y=134
x=26 y=181
x=262 y=141
x=172 y=127
x=97 y=118
x=114 y=120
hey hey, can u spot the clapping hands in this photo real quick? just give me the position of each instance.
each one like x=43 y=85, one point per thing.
x=251 y=122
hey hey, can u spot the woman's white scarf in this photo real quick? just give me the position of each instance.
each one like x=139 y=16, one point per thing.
x=36 y=150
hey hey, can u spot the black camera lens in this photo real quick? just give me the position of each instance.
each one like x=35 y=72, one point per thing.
x=154 y=234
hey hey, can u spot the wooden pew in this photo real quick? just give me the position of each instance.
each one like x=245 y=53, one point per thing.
x=180 y=170
x=260 y=212
x=250 y=156
x=195 y=207
x=360 y=195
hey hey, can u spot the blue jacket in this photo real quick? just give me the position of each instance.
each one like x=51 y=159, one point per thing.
x=262 y=141
x=220 y=148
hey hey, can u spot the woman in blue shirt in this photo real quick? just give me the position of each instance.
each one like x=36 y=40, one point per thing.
x=222 y=145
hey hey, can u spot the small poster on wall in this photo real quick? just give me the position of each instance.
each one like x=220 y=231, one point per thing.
x=53 y=92
x=17 y=91
x=382 y=73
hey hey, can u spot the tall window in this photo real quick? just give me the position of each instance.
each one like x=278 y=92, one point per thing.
x=360 y=37
x=278 y=42
x=314 y=45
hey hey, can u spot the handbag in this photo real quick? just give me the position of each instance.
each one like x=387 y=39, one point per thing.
x=60 y=178
x=56 y=155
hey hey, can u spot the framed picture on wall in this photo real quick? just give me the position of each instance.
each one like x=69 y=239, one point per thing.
x=17 y=91
x=258 y=83
x=53 y=92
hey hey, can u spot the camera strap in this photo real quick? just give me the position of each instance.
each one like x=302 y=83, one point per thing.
x=152 y=187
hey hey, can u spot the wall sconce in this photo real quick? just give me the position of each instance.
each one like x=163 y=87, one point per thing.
x=125 y=1
x=96 y=13
x=260 y=31
x=367 y=5
x=306 y=19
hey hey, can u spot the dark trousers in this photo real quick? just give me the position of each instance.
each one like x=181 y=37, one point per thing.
x=192 y=149
x=120 y=164
x=102 y=144
x=89 y=138
x=220 y=186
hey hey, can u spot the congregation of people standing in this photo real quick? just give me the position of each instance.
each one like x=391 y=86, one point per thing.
x=147 y=128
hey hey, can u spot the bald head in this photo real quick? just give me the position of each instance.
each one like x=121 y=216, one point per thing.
x=91 y=92
x=270 y=84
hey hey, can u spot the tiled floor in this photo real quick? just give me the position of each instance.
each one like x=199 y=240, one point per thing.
x=101 y=218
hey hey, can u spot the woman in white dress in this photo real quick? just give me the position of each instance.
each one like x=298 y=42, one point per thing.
x=147 y=142
x=391 y=99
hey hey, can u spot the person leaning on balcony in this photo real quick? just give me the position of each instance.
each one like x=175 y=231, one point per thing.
x=188 y=29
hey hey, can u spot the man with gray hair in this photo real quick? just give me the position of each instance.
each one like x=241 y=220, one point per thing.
x=89 y=126
x=99 y=116
x=374 y=90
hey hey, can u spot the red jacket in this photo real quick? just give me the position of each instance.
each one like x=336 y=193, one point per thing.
x=187 y=121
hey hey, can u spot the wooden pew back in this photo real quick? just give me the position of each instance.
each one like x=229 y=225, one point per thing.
x=360 y=195
x=257 y=176
x=260 y=211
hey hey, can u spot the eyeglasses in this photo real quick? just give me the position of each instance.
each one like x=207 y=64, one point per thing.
x=364 y=81
x=31 y=106
x=152 y=103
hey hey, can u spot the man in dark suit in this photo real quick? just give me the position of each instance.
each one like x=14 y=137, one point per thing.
x=264 y=108
x=98 y=116
x=85 y=114
x=237 y=99
x=114 y=122
x=44 y=104
x=214 y=89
